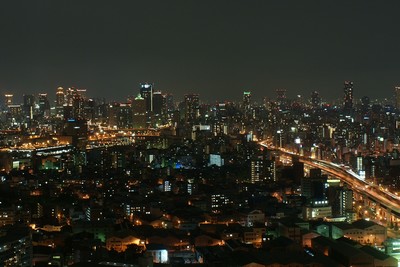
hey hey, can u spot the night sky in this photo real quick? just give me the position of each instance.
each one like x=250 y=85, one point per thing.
x=215 y=48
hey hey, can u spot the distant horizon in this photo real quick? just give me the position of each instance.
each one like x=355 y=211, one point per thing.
x=217 y=49
x=237 y=97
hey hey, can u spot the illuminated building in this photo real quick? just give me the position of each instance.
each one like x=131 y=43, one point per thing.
x=192 y=107
x=29 y=103
x=8 y=99
x=348 y=95
x=159 y=253
x=77 y=129
x=60 y=97
x=120 y=115
x=15 y=110
x=218 y=201
x=362 y=231
x=146 y=91
x=120 y=242
x=69 y=95
x=256 y=170
x=60 y=101
x=346 y=201
x=247 y=103
x=262 y=170
x=139 y=112
x=78 y=103
x=44 y=104
x=158 y=103
x=169 y=102
x=15 y=246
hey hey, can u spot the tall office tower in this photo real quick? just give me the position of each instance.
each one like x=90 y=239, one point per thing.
x=120 y=115
x=60 y=101
x=158 y=103
x=78 y=105
x=169 y=99
x=44 y=105
x=90 y=109
x=348 y=95
x=220 y=125
x=8 y=99
x=192 y=107
x=221 y=112
x=69 y=96
x=139 y=117
x=397 y=92
x=60 y=97
x=146 y=91
x=29 y=103
x=246 y=103
x=315 y=100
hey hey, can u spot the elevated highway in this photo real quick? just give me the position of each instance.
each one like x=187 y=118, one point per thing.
x=384 y=199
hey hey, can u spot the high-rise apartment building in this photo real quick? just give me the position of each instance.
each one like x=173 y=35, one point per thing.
x=15 y=246
x=262 y=170
x=346 y=201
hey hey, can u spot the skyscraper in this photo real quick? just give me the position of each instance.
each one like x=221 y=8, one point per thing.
x=44 y=104
x=192 y=107
x=60 y=101
x=139 y=112
x=60 y=97
x=146 y=91
x=29 y=103
x=348 y=95
x=246 y=103
x=169 y=99
x=158 y=103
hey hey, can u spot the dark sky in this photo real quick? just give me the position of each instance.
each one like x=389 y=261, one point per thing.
x=216 y=48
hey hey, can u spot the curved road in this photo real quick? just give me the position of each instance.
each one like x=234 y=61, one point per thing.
x=384 y=198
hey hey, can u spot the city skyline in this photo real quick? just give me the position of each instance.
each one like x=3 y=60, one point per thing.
x=52 y=95
x=213 y=49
